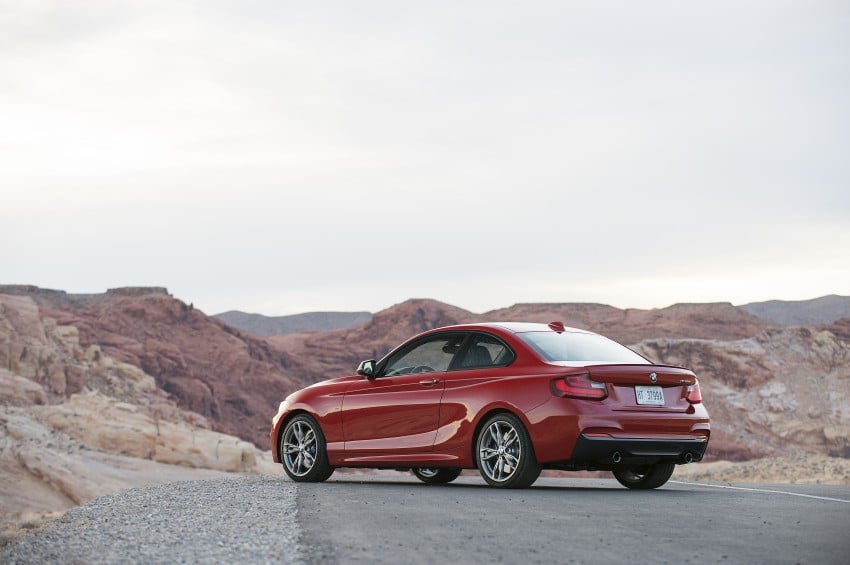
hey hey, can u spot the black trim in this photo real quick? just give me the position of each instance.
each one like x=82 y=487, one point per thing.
x=601 y=450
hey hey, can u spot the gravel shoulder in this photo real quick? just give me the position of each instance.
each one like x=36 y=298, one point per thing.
x=244 y=519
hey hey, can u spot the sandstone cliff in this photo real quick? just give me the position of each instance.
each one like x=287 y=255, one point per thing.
x=234 y=380
x=77 y=423
x=779 y=392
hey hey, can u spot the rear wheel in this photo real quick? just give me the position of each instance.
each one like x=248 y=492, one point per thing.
x=303 y=452
x=504 y=453
x=645 y=476
x=434 y=476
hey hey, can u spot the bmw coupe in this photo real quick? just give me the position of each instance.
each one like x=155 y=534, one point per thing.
x=508 y=399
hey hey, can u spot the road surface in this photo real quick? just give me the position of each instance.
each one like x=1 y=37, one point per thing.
x=393 y=518
x=352 y=519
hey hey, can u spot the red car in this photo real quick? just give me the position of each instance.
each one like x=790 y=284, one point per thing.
x=509 y=399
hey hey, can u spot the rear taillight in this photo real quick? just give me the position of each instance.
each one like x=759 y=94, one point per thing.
x=579 y=386
x=692 y=393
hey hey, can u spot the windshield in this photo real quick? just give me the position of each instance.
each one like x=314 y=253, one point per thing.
x=572 y=346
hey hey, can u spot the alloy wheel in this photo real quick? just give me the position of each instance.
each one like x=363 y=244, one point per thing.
x=500 y=451
x=299 y=448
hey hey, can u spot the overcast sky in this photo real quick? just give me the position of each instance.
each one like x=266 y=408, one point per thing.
x=280 y=157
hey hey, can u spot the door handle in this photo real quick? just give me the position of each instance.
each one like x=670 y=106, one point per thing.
x=429 y=382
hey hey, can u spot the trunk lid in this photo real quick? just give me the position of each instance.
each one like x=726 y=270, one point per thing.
x=623 y=380
x=642 y=375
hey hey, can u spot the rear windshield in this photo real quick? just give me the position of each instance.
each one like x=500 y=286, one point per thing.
x=571 y=346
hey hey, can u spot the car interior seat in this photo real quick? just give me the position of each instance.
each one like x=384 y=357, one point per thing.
x=477 y=356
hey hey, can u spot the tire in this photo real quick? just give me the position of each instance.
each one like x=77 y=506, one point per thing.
x=434 y=476
x=504 y=454
x=303 y=451
x=645 y=477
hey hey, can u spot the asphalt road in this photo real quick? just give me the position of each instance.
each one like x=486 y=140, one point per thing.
x=394 y=519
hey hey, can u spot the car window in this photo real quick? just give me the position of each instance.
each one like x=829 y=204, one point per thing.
x=575 y=346
x=433 y=355
x=486 y=351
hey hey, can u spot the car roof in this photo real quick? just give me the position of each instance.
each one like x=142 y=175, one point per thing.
x=513 y=327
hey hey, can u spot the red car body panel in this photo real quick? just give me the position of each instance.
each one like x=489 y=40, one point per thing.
x=431 y=419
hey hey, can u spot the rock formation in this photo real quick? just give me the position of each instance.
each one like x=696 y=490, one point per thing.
x=234 y=380
x=779 y=392
x=77 y=423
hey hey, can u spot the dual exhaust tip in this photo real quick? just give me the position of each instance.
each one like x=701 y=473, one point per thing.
x=688 y=457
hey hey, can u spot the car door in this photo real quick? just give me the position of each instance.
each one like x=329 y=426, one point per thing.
x=398 y=410
x=482 y=362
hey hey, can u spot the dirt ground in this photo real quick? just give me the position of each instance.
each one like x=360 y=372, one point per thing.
x=793 y=469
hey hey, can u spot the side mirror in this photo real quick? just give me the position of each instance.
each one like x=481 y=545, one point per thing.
x=366 y=368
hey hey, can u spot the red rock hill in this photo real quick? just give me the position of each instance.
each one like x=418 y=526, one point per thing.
x=235 y=380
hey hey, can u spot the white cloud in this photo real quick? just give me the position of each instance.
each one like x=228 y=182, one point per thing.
x=260 y=154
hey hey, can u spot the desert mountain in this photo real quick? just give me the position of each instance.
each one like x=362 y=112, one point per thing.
x=718 y=320
x=715 y=320
x=306 y=322
x=318 y=356
x=324 y=355
x=823 y=310
x=234 y=380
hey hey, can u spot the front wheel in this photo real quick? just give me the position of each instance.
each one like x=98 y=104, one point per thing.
x=434 y=476
x=504 y=453
x=645 y=476
x=303 y=452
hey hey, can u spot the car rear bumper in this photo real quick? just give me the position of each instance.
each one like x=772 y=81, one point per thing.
x=608 y=450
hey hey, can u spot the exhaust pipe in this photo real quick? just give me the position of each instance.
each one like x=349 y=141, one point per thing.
x=689 y=457
x=616 y=458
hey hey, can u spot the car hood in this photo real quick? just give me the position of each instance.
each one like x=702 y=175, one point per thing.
x=336 y=381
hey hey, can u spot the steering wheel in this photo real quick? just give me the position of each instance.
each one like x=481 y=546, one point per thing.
x=422 y=369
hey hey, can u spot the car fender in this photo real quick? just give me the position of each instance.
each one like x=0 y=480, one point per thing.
x=323 y=405
x=468 y=400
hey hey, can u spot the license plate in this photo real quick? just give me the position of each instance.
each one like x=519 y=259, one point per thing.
x=652 y=395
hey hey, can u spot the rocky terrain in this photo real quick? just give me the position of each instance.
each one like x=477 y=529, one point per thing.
x=77 y=423
x=232 y=379
x=783 y=391
x=131 y=387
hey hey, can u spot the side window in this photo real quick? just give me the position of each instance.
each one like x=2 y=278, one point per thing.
x=434 y=355
x=486 y=351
